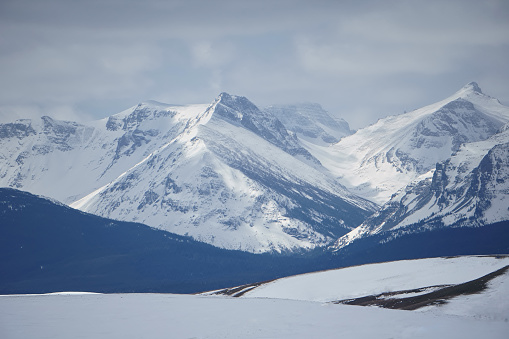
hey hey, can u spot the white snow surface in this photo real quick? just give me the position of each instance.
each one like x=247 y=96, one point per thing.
x=380 y=159
x=183 y=316
x=155 y=316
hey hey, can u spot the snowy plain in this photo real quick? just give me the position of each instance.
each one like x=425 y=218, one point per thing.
x=74 y=315
x=186 y=316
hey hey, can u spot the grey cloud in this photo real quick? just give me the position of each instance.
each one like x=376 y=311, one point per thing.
x=360 y=60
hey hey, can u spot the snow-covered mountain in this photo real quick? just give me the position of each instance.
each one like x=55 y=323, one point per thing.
x=311 y=123
x=380 y=159
x=469 y=189
x=238 y=177
x=225 y=173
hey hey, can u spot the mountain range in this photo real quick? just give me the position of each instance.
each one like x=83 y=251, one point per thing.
x=278 y=179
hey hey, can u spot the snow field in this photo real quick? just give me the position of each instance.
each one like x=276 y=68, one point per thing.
x=184 y=316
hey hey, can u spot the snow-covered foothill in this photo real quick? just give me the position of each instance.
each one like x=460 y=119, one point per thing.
x=372 y=279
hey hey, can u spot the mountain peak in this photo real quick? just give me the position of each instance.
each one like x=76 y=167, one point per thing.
x=233 y=107
x=235 y=102
x=473 y=87
x=468 y=92
x=224 y=95
x=240 y=111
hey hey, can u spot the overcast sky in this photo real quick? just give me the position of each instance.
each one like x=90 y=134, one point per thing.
x=361 y=60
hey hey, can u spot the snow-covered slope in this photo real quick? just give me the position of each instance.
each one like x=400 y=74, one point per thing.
x=469 y=189
x=311 y=123
x=380 y=159
x=372 y=279
x=226 y=173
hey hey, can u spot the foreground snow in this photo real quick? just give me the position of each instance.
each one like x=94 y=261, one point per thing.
x=183 y=316
x=268 y=312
